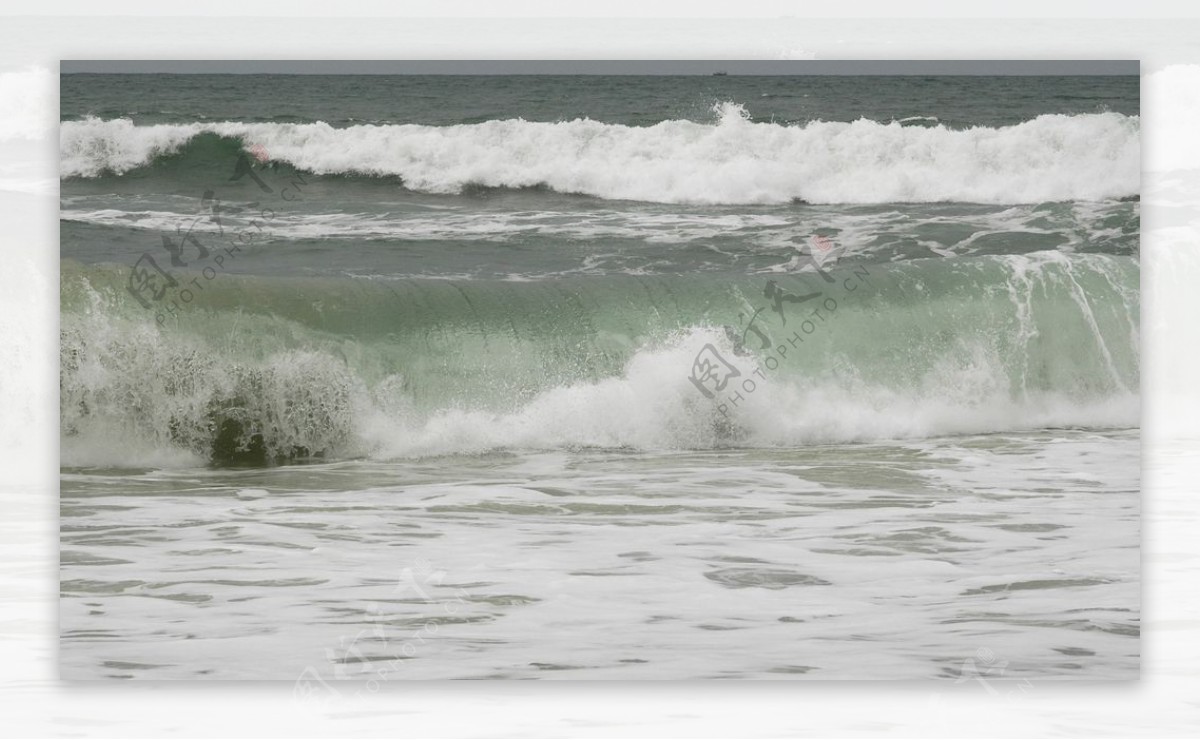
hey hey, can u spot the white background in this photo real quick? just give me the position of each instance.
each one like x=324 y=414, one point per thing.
x=1166 y=701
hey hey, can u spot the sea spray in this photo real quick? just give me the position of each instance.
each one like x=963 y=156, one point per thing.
x=441 y=367
x=1053 y=157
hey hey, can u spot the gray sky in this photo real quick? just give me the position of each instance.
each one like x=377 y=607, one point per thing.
x=624 y=67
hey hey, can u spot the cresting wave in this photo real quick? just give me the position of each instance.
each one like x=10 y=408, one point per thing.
x=344 y=368
x=730 y=161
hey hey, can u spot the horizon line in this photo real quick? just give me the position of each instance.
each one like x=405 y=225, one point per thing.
x=641 y=68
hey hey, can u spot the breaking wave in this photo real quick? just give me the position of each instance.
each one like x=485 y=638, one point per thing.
x=335 y=368
x=730 y=161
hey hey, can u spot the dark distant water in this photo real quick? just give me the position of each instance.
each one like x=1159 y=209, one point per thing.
x=487 y=311
x=441 y=100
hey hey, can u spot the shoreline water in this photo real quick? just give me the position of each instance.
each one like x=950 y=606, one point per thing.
x=770 y=378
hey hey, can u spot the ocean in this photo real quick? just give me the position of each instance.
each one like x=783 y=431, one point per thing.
x=373 y=378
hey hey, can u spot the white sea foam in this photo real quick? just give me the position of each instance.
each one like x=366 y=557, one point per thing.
x=651 y=405
x=654 y=406
x=733 y=160
x=857 y=232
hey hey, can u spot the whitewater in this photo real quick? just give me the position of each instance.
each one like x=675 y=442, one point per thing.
x=377 y=378
x=730 y=161
x=508 y=368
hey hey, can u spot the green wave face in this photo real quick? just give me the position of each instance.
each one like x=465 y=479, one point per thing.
x=254 y=369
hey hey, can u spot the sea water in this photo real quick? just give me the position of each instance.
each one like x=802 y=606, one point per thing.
x=371 y=378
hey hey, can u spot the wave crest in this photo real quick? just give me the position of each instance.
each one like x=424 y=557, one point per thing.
x=986 y=345
x=730 y=161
